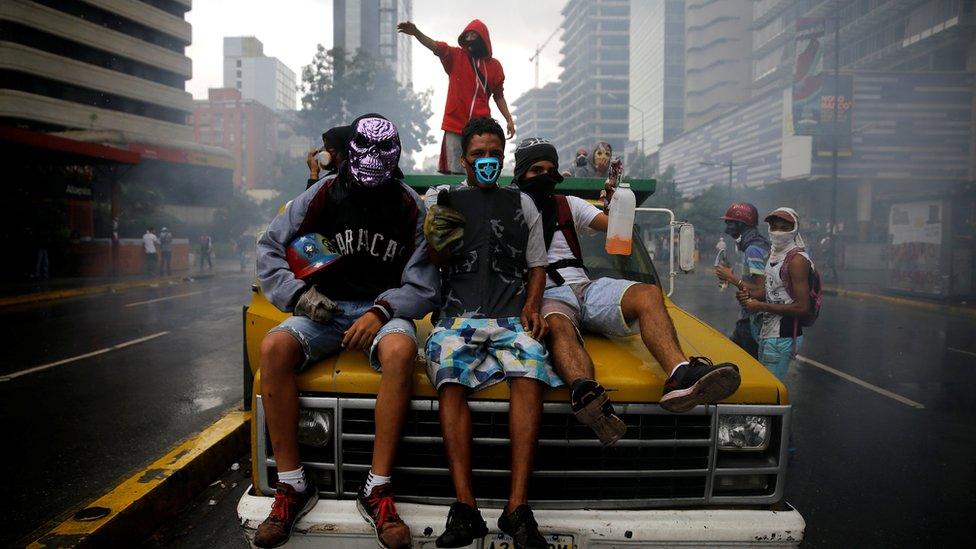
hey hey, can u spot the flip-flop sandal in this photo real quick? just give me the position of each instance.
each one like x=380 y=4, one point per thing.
x=595 y=411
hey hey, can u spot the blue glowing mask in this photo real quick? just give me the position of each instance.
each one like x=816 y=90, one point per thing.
x=486 y=171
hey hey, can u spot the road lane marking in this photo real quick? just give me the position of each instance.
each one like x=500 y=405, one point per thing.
x=862 y=383
x=148 y=301
x=970 y=353
x=35 y=369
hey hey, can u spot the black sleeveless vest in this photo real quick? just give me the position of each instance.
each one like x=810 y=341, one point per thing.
x=485 y=277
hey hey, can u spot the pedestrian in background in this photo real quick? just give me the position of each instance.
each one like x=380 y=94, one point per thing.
x=474 y=76
x=741 y=221
x=242 y=244
x=785 y=294
x=206 y=248
x=150 y=243
x=166 y=250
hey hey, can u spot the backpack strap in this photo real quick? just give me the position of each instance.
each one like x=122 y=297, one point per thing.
x=784 y=270
x=565 y=225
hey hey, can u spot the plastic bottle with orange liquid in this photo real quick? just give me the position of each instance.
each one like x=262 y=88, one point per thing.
x=620 y=230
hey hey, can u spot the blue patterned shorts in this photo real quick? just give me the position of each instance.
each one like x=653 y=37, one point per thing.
x=480 y=352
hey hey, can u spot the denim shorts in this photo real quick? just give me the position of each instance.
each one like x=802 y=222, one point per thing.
x=592 y=306
x=319 y=340
x=774 y=353
x=480 y=352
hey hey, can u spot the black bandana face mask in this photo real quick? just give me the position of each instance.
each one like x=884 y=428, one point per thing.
x=541 y=185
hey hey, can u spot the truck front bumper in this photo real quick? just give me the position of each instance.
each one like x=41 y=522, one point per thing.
x=337 y=523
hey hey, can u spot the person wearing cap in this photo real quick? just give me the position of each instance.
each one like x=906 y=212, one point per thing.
x=358 y=295
x=741 y=223
x=781 y=300
x=326 y=161
x=613 y=307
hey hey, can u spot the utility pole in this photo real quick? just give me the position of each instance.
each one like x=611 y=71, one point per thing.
x=835 y=133
x=833 y=149
x=730 y=164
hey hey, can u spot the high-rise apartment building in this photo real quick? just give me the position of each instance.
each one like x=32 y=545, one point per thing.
x=75 y=65
x=718 y=58
x=889 y=35
x=657 y=72
x=246 y=128
x=371 y=26
x=535 y=112
x=593 y=85
x=258 y=77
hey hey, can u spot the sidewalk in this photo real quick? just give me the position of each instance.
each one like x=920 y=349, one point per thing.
x=16 y=293
x=859 y=284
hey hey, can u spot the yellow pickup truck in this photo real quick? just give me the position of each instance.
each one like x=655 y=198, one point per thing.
x=713 y=476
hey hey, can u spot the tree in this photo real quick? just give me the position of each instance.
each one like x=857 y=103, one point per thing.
x=336 y=90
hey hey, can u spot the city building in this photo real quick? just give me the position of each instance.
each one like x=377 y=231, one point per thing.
x=246 y=128
x=593 y=84
x=657 y=72
x=905 y=162
x=535 y=112
x=371 y=26
x=718 y=58
x=258 y=77
x=92 y=111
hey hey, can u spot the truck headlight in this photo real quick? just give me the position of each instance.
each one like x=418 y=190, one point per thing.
x=315 y=427
x=743 y=432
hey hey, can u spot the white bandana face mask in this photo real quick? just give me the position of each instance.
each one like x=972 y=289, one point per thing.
x=781 y=239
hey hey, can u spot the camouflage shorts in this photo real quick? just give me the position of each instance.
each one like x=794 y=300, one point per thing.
x=480 y=352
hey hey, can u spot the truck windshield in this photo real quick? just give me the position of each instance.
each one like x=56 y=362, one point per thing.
x=637 y=266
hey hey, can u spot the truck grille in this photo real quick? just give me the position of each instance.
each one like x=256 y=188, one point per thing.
x=663 y=460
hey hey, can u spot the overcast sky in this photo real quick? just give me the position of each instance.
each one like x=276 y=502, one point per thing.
x=291 y=29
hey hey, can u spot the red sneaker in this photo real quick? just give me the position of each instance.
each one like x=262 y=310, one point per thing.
x=380 y=512
x=289 y=506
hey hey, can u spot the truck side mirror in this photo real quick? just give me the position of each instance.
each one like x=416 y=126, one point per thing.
x=686 y=247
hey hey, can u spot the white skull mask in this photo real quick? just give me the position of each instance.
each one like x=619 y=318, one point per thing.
x=374 y=151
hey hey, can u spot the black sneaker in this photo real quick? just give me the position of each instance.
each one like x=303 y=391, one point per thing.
x=699 y=382
x=521 y=525
x=464 y=525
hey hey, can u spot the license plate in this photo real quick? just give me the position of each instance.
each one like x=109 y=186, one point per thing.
x=504 y=541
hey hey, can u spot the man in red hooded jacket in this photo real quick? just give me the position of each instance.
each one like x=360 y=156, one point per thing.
x=474 y=77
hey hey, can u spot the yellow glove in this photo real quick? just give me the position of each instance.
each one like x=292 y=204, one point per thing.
x=443 y=226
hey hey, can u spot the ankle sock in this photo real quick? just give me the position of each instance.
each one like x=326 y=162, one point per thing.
x=374 y=480
x=295 y=479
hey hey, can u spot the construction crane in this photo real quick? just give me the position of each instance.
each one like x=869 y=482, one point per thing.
x=535 y=57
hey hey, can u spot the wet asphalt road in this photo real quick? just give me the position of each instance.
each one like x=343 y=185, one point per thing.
x=869 y=470
x=77 y=429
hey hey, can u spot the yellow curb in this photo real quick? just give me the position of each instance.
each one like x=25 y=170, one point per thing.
x=145 y=500
x=84 y=290
x=906 y=302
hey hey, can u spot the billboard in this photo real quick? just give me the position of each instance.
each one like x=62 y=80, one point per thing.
x=838 y=93
x=808 y=75
x=915 y=230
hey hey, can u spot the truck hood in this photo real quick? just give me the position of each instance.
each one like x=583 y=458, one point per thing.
x=623 y=365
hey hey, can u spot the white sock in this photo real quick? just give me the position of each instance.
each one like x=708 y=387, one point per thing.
x=372 y=481
x=295 y=479
x=675 y=369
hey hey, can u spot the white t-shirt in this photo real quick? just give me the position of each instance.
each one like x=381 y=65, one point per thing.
x=149 y=242
x=583 y=214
